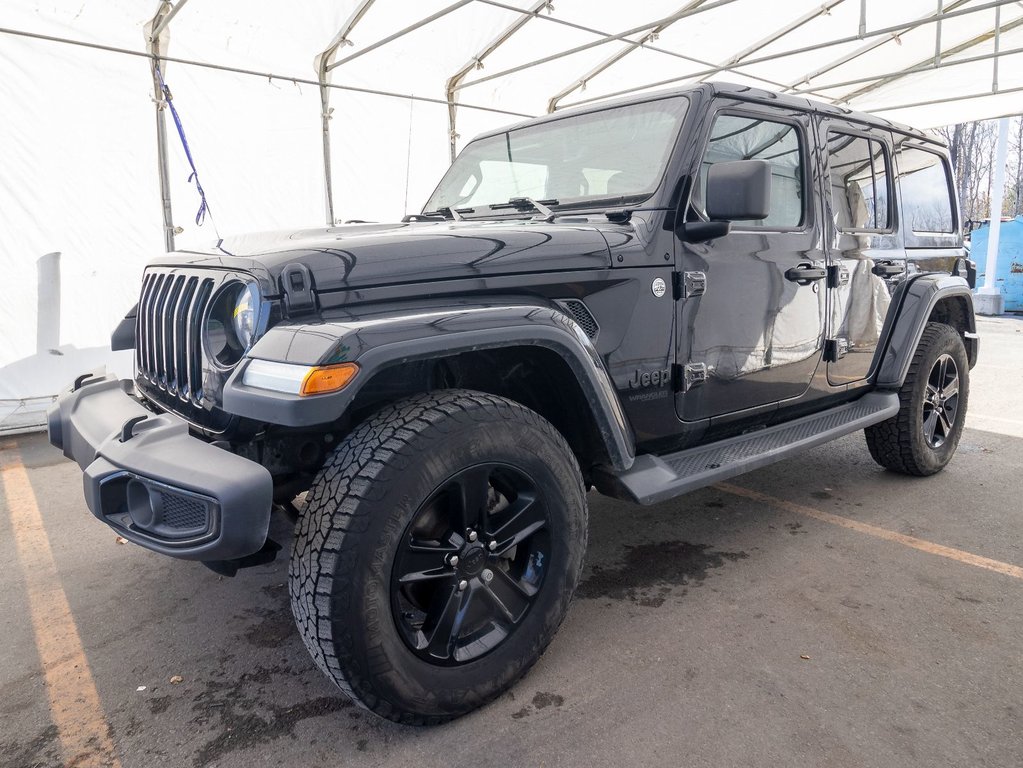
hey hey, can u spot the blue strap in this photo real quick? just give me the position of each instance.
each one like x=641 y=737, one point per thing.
x=204 y=207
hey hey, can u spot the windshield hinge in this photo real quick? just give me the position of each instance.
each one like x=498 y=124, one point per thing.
x=694 y=284
x=686 y=285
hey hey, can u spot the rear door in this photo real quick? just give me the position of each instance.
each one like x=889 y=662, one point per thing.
x=753 y=302
x=865 y=253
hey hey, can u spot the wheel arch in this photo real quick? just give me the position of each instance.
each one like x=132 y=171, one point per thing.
x=534 y=376
x=502 y=349
x=922 y=299
x=956 y=310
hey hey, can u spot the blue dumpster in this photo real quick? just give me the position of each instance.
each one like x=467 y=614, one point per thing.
x=1009 y=277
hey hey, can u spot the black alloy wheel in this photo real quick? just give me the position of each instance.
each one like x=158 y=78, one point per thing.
x=438 y=553
x=470 y=564
x=941 y=402
x=923 y=436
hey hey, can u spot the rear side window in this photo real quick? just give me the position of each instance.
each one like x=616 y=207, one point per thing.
x=926 y=191
x=745 y=138
x=859 y=172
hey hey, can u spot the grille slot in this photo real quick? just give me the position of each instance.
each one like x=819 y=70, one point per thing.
x=581 y=313
x=182 y=512
x=168 y=352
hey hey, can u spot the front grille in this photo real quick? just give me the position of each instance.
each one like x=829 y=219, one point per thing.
x=168 y=332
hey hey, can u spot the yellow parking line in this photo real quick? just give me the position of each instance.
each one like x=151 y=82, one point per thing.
x=872 y=530
x=74 y=701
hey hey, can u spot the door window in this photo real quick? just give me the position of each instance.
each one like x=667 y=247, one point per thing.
x=859 y=170
x=926 y=198
x=735 y=137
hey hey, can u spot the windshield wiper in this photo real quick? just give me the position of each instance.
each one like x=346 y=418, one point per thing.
x=449 y=213
x=522 y=203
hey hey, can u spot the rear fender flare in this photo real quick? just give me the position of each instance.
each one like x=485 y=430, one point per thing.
x=907 y=318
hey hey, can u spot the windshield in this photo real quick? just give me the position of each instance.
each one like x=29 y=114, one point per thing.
x=615 y=153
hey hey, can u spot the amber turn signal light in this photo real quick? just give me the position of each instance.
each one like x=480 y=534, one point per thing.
x=328 y=378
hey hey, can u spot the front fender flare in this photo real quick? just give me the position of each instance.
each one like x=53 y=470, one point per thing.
x=908 y=317
x=381 y=338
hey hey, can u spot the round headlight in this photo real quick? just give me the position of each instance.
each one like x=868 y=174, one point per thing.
x=231 y=324
x=244 y=317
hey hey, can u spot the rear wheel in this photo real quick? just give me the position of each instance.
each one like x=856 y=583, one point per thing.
x=922 y=438
x=438 y=554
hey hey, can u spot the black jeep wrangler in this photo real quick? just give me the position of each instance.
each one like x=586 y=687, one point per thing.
x=642 y=297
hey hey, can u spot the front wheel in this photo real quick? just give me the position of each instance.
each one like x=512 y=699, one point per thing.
x=438 y=553
x=922 y=437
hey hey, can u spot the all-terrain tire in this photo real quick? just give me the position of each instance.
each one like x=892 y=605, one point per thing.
x=917 y=440
x=359 y=520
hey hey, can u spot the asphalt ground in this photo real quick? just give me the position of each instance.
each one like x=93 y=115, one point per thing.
x=819 y=612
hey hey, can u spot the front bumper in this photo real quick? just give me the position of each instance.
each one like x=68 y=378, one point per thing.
x=152 y=482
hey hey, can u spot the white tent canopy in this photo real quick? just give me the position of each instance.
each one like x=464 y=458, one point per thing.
x=298 y=114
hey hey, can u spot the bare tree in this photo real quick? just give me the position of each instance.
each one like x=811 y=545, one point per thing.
x=1014 y=196
x=972 y=151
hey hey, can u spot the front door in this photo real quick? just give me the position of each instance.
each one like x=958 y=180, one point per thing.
x=755 y=334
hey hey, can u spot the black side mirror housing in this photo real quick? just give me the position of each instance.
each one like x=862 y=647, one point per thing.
x=739 y=190
x=702 y=231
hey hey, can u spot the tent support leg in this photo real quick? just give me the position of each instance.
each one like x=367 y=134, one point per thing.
x=48 y=303
x=325 y=113
x=162 y=168
x=452 y=130
x=325 y=63
x=160 y=22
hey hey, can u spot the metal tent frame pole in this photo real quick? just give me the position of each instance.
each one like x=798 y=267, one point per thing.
x=897 y=75
x=159 y=24
x=164 y=22
x=476 y=62
x=552 y=103
x=871 y=46
x=928 y=64
x=775 y=36
x=323 y=62
x=401 y=33
x=642 y=29
x=884 y=31
x=954 y=99
x=253 y=72
x=630 y=45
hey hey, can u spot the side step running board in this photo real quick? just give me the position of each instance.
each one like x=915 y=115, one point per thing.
x=655 y=478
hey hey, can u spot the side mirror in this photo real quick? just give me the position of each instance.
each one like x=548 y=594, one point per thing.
x=739 y=190
x=702 y=231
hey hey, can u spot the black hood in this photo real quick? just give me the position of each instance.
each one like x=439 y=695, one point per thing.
x=364 y=255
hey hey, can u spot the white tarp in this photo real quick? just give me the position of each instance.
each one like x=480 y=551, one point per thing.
x=79 y=129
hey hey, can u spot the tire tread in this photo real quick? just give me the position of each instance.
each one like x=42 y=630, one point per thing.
x=892 y=443
x=356 y=472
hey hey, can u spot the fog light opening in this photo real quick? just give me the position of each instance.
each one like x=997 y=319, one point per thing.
x=143 y=506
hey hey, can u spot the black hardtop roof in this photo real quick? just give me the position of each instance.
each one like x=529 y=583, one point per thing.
x=742 y=92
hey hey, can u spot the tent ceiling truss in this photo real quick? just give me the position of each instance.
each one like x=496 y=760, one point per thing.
x=643 y=36
x=890 y=33
x=874 y=44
